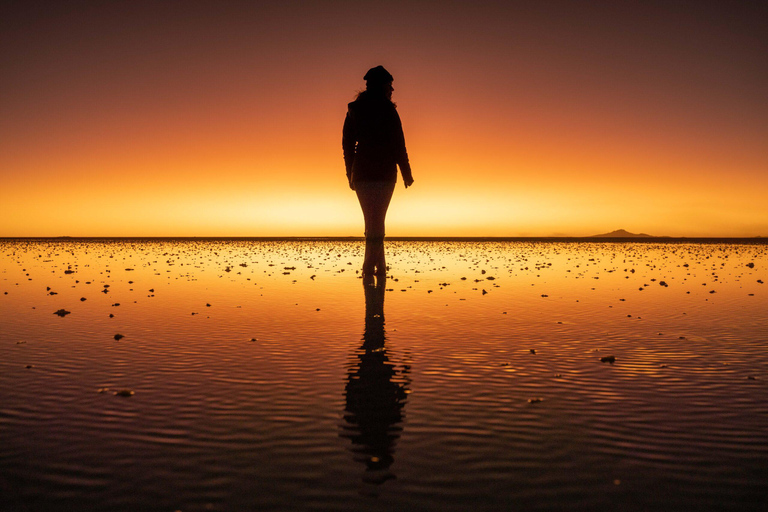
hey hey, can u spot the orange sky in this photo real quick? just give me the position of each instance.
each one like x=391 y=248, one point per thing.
x=197 y=119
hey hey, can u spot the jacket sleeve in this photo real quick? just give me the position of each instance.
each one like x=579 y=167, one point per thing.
x=349 y=141
x=401 y=153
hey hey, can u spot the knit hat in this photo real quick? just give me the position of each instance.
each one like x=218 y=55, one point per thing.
x=378 y=75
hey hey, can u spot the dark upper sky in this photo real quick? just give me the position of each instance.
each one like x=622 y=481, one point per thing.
x=560 y=105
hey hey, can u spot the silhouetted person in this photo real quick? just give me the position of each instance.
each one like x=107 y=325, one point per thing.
x=375 y=393
x=374 y=145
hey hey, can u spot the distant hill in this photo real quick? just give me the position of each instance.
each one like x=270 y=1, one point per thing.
x=621 y=233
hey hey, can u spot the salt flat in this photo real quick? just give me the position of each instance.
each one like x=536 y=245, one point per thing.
x=267 y=375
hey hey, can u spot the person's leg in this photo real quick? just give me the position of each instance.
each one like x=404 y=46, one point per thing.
x=374 y=200
x=365 y=194
x=369 y=261
x=378 y=216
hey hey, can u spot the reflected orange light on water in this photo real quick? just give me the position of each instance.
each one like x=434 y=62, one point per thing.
x=263 y=352
x=536 y=284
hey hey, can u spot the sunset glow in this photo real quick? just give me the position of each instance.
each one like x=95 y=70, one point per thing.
x=135 y=119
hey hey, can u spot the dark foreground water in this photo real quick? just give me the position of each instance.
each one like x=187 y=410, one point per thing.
x=258 y=375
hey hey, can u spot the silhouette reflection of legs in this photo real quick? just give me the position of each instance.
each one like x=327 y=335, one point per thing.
x=375 y=393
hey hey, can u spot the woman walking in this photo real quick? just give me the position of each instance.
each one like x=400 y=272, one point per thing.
x=374 y=145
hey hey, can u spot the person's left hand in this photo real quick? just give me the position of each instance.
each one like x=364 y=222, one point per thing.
x=408 y=181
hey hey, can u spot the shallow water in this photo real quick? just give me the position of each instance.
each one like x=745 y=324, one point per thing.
x=267 y=376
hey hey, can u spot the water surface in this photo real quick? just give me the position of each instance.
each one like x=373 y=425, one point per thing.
x=266 y=375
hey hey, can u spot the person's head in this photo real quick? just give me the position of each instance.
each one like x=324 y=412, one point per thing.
x=378 y=81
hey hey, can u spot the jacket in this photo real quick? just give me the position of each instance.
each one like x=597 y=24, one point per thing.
x=373 y=141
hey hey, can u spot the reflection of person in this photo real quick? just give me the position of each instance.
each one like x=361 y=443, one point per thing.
x=375 y=393
x=374 y=145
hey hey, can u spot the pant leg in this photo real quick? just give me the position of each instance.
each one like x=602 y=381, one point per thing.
x=374 y=200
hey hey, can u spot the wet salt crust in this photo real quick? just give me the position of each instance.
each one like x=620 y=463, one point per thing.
x=264 y=375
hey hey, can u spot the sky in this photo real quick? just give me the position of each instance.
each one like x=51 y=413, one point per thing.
x=548 y=118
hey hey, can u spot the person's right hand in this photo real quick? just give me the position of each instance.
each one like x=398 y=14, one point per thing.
x=351 y=185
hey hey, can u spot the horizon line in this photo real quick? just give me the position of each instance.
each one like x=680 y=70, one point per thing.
x=597 y=238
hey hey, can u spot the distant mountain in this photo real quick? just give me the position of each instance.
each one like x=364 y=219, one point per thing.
x=621 y=233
